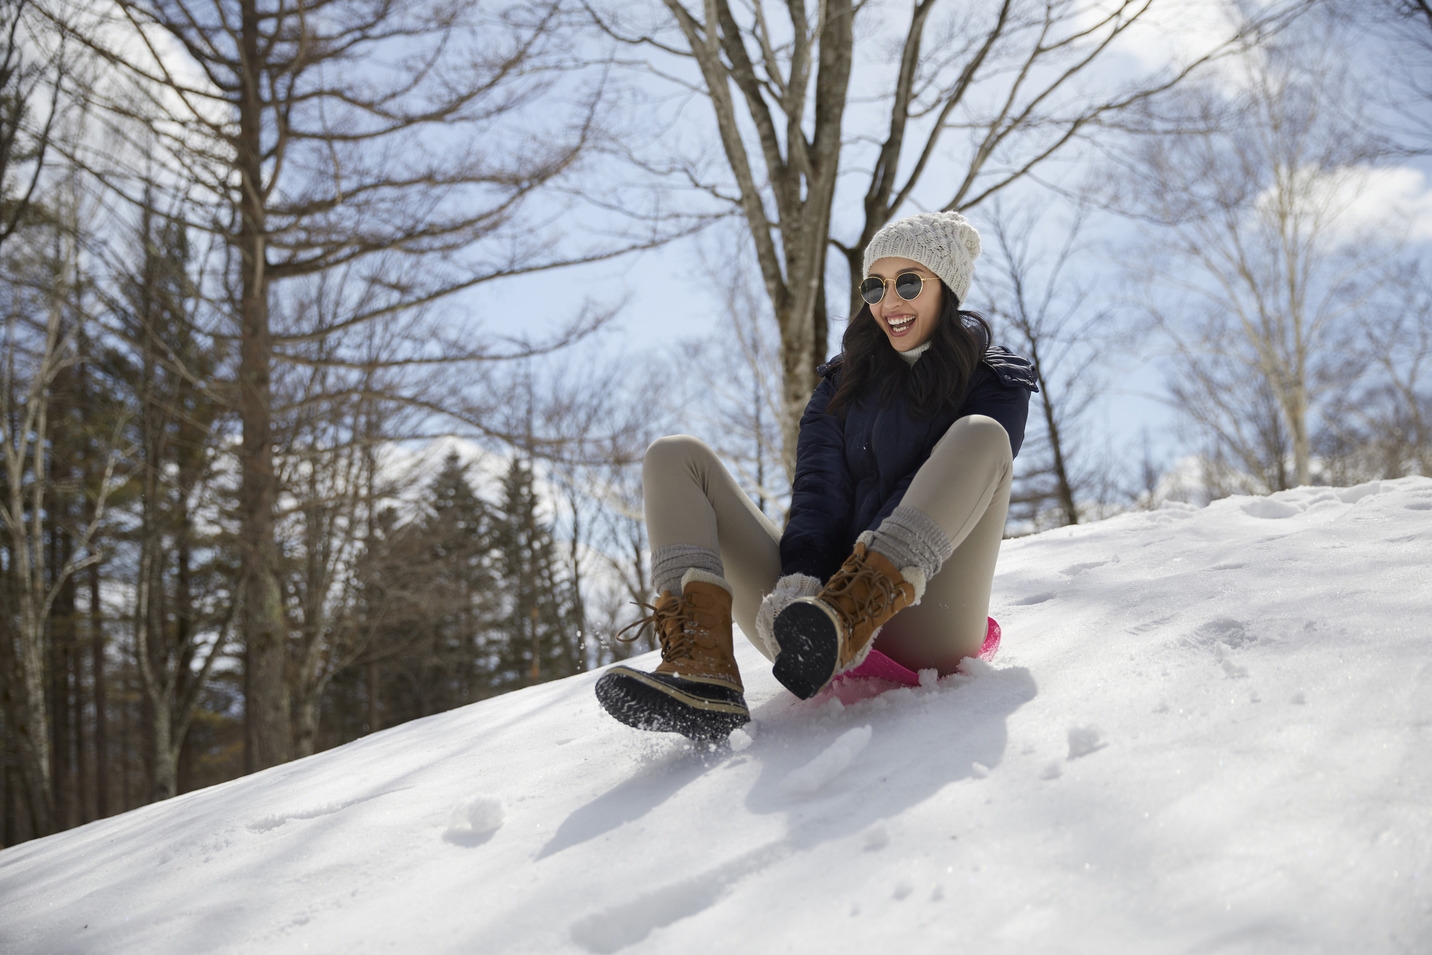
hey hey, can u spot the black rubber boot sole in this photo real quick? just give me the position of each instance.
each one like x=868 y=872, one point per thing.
x=665 y=703
x=809 y=638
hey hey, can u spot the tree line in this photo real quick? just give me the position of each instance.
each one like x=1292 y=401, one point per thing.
x=231 y=231
x=240 y=240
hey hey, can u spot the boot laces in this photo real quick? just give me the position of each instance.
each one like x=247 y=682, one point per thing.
x=677 y=627
x=864 y=594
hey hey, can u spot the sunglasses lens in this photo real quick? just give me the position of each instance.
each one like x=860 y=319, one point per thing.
x=908 y=285
x=872 y=290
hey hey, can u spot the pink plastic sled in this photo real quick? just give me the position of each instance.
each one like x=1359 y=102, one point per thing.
x=878 y=673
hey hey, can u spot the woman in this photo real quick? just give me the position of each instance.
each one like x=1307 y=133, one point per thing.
x=903 y=471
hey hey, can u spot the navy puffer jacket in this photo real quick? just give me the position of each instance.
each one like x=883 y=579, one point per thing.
x=851 y=472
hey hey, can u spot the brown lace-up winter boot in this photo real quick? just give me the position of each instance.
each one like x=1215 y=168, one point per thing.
x=696 y=690
x=833 y=631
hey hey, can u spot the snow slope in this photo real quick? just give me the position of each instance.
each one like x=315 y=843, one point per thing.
x=1209 y=730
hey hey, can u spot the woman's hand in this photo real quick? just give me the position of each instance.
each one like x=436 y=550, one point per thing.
x=788 y=589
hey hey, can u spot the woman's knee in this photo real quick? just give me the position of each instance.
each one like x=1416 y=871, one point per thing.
x=982 y=434
x=674 y=451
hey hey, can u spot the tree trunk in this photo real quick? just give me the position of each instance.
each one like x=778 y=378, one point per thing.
x=800 y=173
x=1298 y=417
x=9 y=834
x=62 y=667
x=9 y=795
x=267 y=706
x=32 y=730
x=101 y=709
x=1064 y=485
x=166 y=779
x=152 y=650
x=374 y=691
x=305 y=725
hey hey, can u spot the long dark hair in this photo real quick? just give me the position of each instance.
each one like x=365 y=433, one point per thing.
x=937 y=381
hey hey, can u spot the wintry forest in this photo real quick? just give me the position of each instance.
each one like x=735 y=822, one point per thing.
x=276 y=478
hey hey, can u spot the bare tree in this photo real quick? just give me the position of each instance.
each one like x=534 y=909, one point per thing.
x=1260 y=255
x=620 y=574
x=337 y=134
x=1394 y=78
x=1048 y=312
x=41 y=327
x=1383 y=428
x=602 y=418
x=1414 y=9
x=341 y=403
x=329 y=492
x=979 y=97
x=795 y=101
x=181 y=626
x=733 y=398
x=32 y=75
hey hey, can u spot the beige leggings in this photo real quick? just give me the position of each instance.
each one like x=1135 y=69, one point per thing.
x=691 y=499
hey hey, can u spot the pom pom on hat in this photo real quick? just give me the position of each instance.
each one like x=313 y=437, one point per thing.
x=943 y=242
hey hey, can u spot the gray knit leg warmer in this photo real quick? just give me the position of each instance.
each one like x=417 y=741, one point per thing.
x=670 y=564
x=909 y=538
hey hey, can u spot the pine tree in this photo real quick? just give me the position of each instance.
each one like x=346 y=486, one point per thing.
x=463 y=579
x=431 y=591
x=541 y=632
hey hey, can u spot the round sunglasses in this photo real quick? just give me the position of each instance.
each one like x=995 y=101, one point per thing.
x=908 y=285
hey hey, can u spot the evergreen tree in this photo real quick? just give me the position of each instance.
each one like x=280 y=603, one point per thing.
x=462 y=578
x=540 y=630
x=431 y=593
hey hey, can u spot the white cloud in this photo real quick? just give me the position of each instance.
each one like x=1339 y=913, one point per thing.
x=1391 y=203
x=1170 y=32
x=1394 y=199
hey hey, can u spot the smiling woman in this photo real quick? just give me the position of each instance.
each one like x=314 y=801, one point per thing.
x=901 y=488
x=934 y=347
x=908 y=317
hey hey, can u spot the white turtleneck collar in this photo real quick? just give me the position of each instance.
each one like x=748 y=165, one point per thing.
x=913 y=355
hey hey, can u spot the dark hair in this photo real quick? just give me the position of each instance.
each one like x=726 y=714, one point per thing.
x=937 y=381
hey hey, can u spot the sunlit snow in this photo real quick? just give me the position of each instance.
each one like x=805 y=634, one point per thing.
x=1208 y=730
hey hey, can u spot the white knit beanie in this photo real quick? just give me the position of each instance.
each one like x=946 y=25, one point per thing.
x=943 y=242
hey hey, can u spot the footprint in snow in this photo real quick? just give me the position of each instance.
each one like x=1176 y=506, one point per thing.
x=473 y=821
x=1074 y=570
x=1084 y=740
x=1225 y=634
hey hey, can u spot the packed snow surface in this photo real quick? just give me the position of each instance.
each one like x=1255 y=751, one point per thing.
x=1208 y=730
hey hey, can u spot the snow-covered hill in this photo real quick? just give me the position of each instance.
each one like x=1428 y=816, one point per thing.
x=1209 y=730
